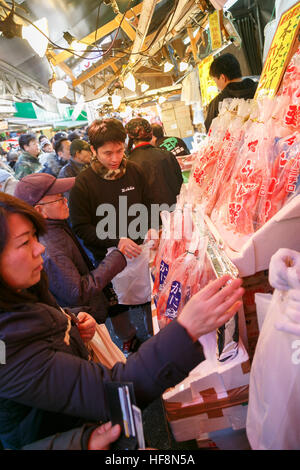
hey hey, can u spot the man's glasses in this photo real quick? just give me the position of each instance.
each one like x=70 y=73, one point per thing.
x=51 y=202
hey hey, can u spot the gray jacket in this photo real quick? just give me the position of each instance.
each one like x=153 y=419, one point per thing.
x=73 y=281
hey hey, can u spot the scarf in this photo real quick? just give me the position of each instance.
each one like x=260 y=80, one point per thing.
x=107 y=174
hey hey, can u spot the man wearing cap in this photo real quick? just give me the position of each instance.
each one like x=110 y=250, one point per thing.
x=47 y=148
x=160 y=166
x=80 y=159
x=72 y=278
x=57 y=160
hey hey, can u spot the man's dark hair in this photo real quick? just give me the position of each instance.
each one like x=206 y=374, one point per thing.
x=58 y=146
x=108 y=130
x=25 y=139
x=226 y=64
x=157 y=130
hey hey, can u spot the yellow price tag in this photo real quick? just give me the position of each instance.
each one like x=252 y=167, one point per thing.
x=207 y=85
x=279 y=53
x=215 y=30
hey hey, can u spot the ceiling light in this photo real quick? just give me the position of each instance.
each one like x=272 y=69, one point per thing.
x=59 y=89
x=162 y=99
x=77 y=46
x=168 y=66
x=129 y=82
x=36 y=39
x=144 y=87
x=116 y=101
x=183 y=66
x=186 y=40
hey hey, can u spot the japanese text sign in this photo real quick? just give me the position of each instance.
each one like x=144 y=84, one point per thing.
x=279 y=53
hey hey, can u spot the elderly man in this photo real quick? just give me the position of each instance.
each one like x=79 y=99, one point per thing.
x=72 y=279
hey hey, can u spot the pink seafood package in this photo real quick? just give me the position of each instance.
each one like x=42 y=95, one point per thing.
x=188 y=274
x=285 y=171
x=240 y=206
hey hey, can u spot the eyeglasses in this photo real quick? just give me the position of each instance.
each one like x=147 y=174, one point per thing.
x=51 y=202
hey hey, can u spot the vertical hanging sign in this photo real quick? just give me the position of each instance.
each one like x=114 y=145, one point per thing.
x=207 y=85
x=215 y=30
x=279 y=53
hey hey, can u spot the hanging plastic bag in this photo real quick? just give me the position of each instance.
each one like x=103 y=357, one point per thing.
x=132 y=285
x=186 y=277
x=273 y=420
x=241 y=204
x=103 y=349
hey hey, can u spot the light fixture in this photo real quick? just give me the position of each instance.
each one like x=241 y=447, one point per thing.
x=116 y=101
x=129 y=82
x=144 y=87
x=168 y=66
x=36 y=33
x=77 y=46
x=162 y=99
x=36 y=39
x=186 y=40
x=183 y=66
x=59 y=88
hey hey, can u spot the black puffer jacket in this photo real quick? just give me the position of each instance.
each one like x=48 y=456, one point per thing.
x=162 y=171
x=72 y=279
x=48 y=385
x=244 y=89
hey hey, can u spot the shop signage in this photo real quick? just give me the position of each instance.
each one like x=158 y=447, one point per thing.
x=215 y=30
x=207 y=84
x=280 y=51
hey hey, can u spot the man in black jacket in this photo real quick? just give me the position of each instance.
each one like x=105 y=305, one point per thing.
x=161 y=167
x=226 y=72
x=101 y=206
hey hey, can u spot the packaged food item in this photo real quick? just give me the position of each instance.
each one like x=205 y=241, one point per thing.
x=185 y=278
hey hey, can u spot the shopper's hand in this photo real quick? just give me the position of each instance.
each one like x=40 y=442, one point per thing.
x=86 y=326
x=153 y=235
x=103 y=436
x=290 y=320
x=129 y=248
x=212 y=306
x=284 y=269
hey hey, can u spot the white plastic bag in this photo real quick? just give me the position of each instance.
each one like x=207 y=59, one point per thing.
x=273 y=420
x=132 y=285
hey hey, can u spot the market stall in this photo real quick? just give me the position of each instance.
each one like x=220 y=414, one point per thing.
x=240 y=205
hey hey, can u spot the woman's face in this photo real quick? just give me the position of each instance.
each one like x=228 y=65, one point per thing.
x=21 y=262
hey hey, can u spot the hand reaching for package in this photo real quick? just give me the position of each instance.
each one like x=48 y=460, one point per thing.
x=284 y=269
x=290 y=321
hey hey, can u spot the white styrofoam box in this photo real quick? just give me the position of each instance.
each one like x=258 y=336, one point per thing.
x=262 y=304
x=195 y=426
x=211 y=374
x=237 y=416
x=253 y=253
x=181 y=393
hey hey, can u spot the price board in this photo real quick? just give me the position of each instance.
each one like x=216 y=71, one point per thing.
x=207 y=85
x=215 y=30
x=280 y=52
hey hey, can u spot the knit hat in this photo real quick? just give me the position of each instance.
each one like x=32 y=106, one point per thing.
x=139 y=129
x=32 y=188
